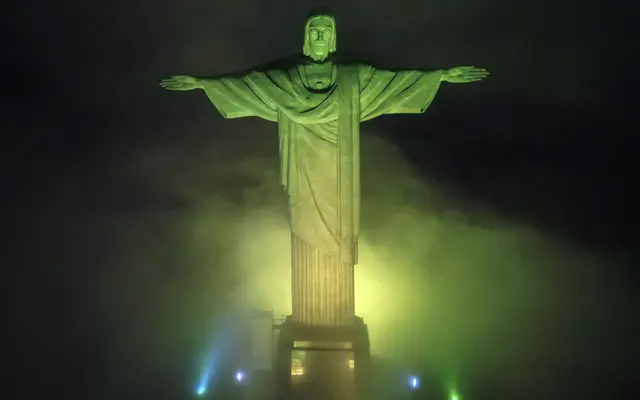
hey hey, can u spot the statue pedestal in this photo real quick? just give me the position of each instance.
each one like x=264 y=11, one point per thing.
x=318 y=362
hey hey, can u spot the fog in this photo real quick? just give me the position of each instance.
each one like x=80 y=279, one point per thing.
x=163 y=240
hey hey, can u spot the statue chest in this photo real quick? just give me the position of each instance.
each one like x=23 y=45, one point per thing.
x=319 y=76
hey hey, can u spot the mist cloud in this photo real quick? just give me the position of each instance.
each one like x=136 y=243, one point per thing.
x=191 y=231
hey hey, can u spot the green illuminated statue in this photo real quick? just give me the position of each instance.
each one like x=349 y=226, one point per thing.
x=318 y=103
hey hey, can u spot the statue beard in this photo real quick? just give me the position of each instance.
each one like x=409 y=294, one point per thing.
x=319 y=56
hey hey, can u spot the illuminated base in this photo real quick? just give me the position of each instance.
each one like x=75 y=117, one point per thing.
x=313 y=359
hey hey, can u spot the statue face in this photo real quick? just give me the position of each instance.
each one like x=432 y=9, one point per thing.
x=320 y=37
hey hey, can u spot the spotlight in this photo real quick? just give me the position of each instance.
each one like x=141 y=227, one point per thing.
x=414 y=382
x=201 y=391
x=240 y=376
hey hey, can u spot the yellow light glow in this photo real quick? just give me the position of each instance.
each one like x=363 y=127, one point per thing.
x=264 y=255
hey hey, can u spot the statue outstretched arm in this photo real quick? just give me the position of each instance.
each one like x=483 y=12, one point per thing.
x=385 y=91
x=234 y=96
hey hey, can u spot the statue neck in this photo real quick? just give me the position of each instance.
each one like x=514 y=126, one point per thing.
x=312 y=59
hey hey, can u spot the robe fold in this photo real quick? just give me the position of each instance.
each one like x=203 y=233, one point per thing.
x=319 y=135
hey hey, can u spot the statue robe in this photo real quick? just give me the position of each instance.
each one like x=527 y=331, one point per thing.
x=320 y=165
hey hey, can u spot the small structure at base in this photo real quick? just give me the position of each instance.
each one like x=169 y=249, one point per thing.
x=314 y=362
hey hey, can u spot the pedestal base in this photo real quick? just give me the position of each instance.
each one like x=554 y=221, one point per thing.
x=327 y=363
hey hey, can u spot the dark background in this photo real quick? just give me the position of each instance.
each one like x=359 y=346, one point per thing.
x=547 y=140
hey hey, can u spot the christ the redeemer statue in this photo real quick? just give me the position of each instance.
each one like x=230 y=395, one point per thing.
x=318 y=104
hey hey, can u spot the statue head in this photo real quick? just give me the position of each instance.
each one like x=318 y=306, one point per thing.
x=320 y=36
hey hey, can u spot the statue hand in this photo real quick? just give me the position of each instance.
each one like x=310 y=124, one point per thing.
x=465 y=74
x=181 y=82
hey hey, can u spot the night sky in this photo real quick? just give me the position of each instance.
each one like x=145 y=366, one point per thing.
x=101 y=168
